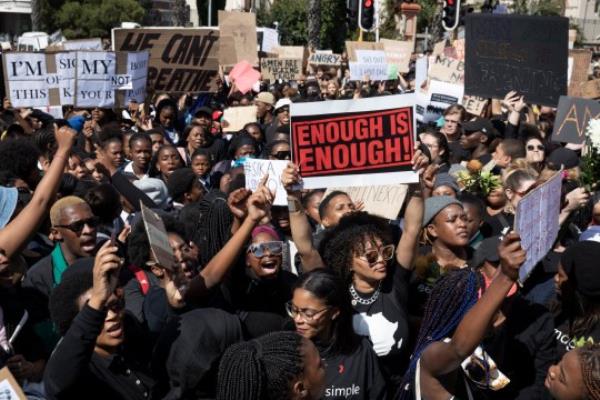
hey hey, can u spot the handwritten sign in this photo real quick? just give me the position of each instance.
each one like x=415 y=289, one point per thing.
x=398 y=53
x=528 y=54
x=281 y=68
x=351 y=48
x=572 y=118
x=475 y=104
x=354 y=142
x=237 y=117
x=447 y=69
x=329 y=59
x=9 y=388
x=374 y=72
x=244 y=76
x=385 y=200
x=590 y=89
x=25 y=79
x=158 y=238
x=579 y=74
x=536 y=222
x=237 y=40
x=181 y=60
x=255 y=170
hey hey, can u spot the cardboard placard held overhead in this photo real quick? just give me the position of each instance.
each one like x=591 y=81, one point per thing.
x=94 y=44
x=371 y=71
x=237 y=40
x=267 y=39
x=579 y=75
x=181 y=60
x=398 y=52
x=474 y=104
x=590 y=89
x=291 y=52
x=281 y=68
x=351 y=48
x=255 y=170
x=536 y=222
x=572 y=118
x=354 y=142
x=447 y=69
x=528 y=54
x=9 y=387
x=25 y=79
x=244 y=76
x=237 y=117
x=158 y=238
x=385 y=200
x=329 y=59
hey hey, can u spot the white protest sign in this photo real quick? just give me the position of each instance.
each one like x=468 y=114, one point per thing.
x=375 y=72
x=268 y=39
x=66 y=65
x=158 y=238
x=237 y=117
x=95 y=73
x=536 y=222
x=137 y=70
x=384 y=201
x=255 y=170
x=421 y=66
x=370 y=56
x=437 y=97
x=25 y=78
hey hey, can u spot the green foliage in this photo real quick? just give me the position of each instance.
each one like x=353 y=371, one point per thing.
x=333 y=25
x=426 y=17
x=95 y=19
x=538 y=7
x=291 y=16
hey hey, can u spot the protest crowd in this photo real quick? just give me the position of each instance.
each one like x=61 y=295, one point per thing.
x=295 y=229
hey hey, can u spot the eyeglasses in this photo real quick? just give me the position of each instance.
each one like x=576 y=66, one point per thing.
x=372 y=256
x=306 y=314
x=259 y=250
x=282 y=155
x=531 y=147
x=77 y=226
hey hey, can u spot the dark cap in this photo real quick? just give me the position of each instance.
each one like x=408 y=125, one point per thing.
x=203 y=111
x=482 y=125
x=580 y=263
x=562 y=157
x=180 y=182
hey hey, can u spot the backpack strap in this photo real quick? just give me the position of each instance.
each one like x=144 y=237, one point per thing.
x=141 y=277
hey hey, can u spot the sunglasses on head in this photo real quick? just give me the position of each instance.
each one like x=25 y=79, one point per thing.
x=78 y=226
x=539 y=147
x=259 y=250
x=282 y=155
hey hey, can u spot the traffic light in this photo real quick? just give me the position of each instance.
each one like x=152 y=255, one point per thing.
x=352 y=14
x=451 y=14
x=366 y=16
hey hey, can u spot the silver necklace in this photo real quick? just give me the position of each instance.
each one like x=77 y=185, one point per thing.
x=356 y=299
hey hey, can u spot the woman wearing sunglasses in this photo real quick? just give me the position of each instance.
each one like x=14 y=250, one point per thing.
x=321 y=311
x=535 y=151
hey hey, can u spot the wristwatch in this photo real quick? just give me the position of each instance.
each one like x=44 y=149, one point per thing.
x=294 y=204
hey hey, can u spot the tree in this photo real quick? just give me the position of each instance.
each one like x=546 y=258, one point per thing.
x=181 y=12
x=314 y=23
x=96 y=18
x=291 y=16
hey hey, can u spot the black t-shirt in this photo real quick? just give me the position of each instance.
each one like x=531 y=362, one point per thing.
x=385 y=322
x=354 y=376
x=494 y=224
x=457 y=153
x=565 y=343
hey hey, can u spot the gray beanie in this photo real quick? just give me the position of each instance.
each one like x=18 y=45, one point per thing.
x=445 y=179
x=434 y=205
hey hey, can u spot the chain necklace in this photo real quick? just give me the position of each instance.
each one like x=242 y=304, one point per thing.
x=356 y=299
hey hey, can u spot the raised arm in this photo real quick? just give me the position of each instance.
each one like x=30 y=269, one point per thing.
x=15 y=234
x=441 y=358
x=258 y=205
x=300 y=227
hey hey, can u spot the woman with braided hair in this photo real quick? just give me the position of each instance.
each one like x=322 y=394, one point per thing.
x=577 y=375
x=453 y=309
x=277 y=366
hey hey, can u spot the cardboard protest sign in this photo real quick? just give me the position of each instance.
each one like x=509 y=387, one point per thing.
x=234 y=118
x=291 y=52
x=516 y=52
x=158 y=238
x=321 y=58
x=572 y=119
x=536 y=222
x=398 y=52
x=385 y=200
x=447 y=69
x=25 y=79
x=244 y=76
x=237 y=41
x=351 y=48
x=64 y=66
x=354 y=142
x=255 y=170
x=9 y=388
x=94 y=86
x=579 y=74
x=474 y=104
x=459 y=47
x=137 y=70
x=181 y=60
x=281 y=68
x=590 y=89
